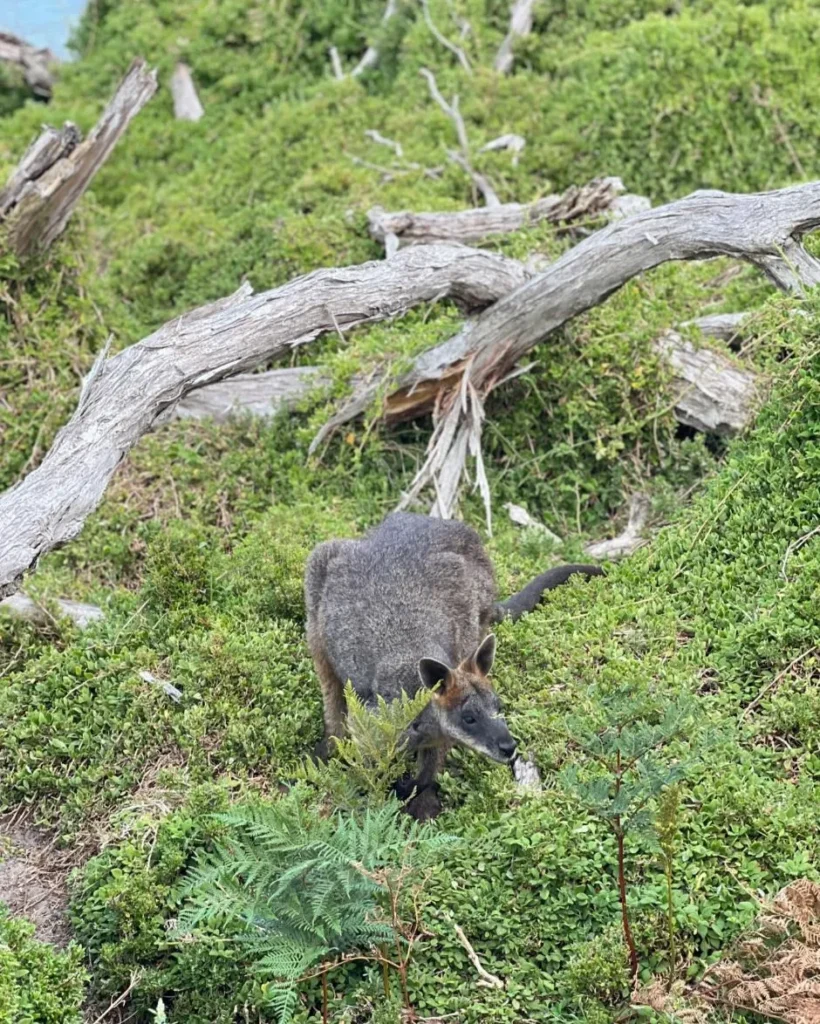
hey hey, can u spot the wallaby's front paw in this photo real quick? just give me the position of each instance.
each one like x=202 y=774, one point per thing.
x=403 y=787
x=425 y=805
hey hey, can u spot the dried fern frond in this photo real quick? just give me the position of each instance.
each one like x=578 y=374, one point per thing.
x=774 y=969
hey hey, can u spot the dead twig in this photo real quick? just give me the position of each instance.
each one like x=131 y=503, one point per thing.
x=485 y=978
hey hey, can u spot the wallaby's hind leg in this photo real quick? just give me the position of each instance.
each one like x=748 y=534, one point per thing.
x=333 y=698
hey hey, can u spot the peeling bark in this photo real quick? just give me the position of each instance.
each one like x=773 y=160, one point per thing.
x=43 y=190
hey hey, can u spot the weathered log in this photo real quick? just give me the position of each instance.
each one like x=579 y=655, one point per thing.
x=520 y=26
x=33 y=62
x=764 y=229
x=22 y=607
x=600 y=196
x=42 y=192
x=186 y=101
x=713 y=393
x=123 y=395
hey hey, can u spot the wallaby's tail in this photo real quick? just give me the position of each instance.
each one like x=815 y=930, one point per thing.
x=527 y=599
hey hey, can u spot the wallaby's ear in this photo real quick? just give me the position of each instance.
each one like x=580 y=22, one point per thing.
x=485 y=655
x=432 y=672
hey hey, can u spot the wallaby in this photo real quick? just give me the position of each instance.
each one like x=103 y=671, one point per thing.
x=410 y=605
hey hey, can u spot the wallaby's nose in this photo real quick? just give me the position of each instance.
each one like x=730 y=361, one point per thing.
x=507 y=748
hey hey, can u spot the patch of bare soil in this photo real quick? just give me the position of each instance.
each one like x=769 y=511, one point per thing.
x=33 y=878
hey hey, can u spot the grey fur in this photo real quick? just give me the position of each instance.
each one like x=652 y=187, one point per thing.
x=383 y=610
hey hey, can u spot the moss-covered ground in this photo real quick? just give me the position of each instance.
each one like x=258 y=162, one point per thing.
x=197 y=552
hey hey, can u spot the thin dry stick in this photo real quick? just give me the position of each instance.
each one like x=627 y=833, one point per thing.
x=461 y=56
x=463 y=158
x=136 y=978
x=336 y=64
x=486 y=979
x=382 y=140
x=776 y=680
x=451 y=110
x=520 y=26
x=795 y=546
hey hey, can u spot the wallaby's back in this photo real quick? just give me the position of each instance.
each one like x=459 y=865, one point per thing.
x=413 y=587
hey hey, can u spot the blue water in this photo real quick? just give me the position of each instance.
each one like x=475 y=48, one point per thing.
x=42 y=22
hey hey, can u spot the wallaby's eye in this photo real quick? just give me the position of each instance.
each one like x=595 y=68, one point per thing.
x=468 y=719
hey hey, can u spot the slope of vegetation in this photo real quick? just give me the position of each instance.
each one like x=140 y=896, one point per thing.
x=198 y=550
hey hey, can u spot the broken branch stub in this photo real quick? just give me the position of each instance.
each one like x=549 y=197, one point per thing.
x=34 y=63
x=713 y=393
x=187 y=106
x=124 y=395
x=42 y=192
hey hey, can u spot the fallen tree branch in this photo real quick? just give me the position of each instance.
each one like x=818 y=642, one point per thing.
x=520 y=26
x=22 y=607
x=34 y=63
x=631 y=538
x=125 y=394
x=187 y=106
x=599 y=196
x=459 y=54
x=764 y=229
x=42 y=192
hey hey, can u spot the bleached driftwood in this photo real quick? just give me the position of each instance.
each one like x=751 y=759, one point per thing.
x=42 y=192
x=249 y=394
x=632 y=537
x=520 y=26
x=725 y=326
x=34 y=63
x=186 y=101
x=123 y=395
x=764 y=229
x=600 y=196
x=22 y=607
x=713 y=394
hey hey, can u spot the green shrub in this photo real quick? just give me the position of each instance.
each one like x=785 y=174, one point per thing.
x=38 y=984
